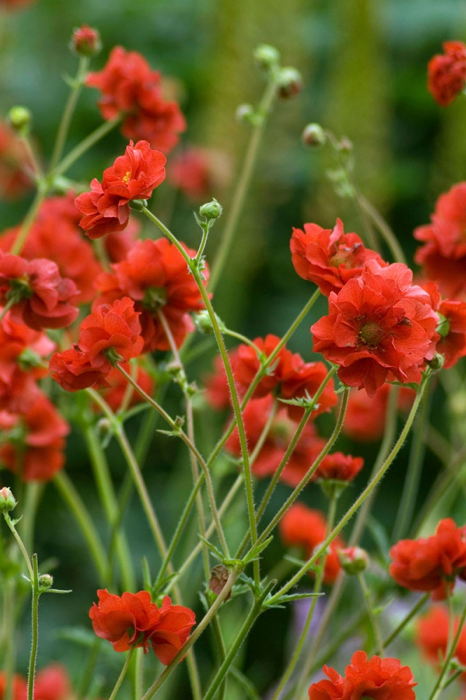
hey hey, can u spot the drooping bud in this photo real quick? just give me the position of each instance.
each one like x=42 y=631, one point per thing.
x=86 y=41
x=437 y=362
x=7 y=500
x=313 y=136
x=211 y=210
x=353 y=560
x=267 y=57
x=20 y=119
x=218 y=579
x=203 y=323
x=290 y=83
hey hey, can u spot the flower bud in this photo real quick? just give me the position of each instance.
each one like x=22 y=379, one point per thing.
x=313 y=136
x=245 y=114
x=345 y=145
x=86 y=41
x=20 y=119
x=218 y=579
x=290 y=82
x=211 y=210
x=45 y=581
x=437 y=362
x=353 y=560
x=204 y=324
x=266 y=56
x=7 y=500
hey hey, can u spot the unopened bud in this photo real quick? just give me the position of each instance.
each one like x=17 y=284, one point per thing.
x=203 y=323
x=20 y=119
x=353 y=560
x=86 y=41
x=345 y=145
x=313 y=136
x=437 y=362
x=7 y=500
x=211 y=210
x=45 y=581
x=218 y=579
x=245 y=113
x=266 y=56
x=290 y=82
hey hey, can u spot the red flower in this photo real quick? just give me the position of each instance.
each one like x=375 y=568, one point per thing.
x=14 y=178
x=156 y=276
x=380 y=327
x=452 y=343
x=130 y=87
x=447 y=73
x=340 y=467
x=303 y=527
x=132 y=620
x=381 y=679
x=52 y=683
x=39 y=454
x=55 y=235
x=118 y=385
x=132 y=176
x=42 y=298
x=433 y=563
x=308 y=447
x=432 y=635
x=217 y=391
x=443 y=257
x=329 y=258
x=291 y=377
x=365 y=415
x=20 y=687
x=73 y=370
x=195 y=171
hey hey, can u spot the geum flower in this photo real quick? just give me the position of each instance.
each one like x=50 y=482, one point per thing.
x=380 y=679
x=431 y=564
x=36 y=292
x=380 y=327
x=131 y=88
x=132 y=620
x=111 y=334
x=156 y=277
x=329 y=258
x=447 y=73
x=432 y=633
x=132 y=176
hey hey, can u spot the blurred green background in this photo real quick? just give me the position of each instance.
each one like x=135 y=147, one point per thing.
x=364 y=68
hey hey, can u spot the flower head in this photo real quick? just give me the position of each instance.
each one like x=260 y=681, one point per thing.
x=447 y=73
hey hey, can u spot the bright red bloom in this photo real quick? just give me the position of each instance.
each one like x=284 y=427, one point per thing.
x=43 y=442
x=433 y=563
x=291 y=377
x=52 y=683
x=380 y=327
x=73 y=370
x=118 y=384
x=132 y=176
x=42 y=298
x=304 y=527
x=340 y=467
x=20 y=687
x=447 y=73
x=329 y=258
x=380 y=679
x=443 y=257
x=156 y=276
x=432 y=635
x=14 y=178
x=132 y=620
x=130 y=87
x=308 y=447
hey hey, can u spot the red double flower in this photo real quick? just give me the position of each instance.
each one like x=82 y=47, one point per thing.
x=132 y=620
x=447 y=73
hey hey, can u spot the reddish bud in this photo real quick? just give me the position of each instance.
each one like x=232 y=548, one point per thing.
x=218 y=579
x=353 y=560
x=86 y=41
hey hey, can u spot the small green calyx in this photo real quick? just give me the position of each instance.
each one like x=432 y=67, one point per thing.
x=154 y=298
x=29 y=359
x=7 y=500
x=113 y=356
x=443 y=327
x=19 y=289
x=20 y=119
x=333 y=488
x=267 y=57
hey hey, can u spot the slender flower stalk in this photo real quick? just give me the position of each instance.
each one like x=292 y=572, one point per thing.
x=372 y=616
x=122 y=675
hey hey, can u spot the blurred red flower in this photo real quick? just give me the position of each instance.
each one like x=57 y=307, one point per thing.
x=447 y=73
x=15 y=180
x=53 y=683
x=432 y=631
x=339 y=466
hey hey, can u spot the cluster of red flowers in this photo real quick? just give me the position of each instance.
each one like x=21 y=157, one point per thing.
x=52 y=683
x=366 y=678
x=111 y=334
x=132 y=620
x=132 y=176
x=447 y=73
x=130 y=88
x=431 y=564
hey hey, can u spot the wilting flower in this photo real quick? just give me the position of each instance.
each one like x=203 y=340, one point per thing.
x=380 y=327
x=431 y=564
x=130 y=88
x=329 y=258
x=304 y=527
x=132 y=176
x=156 y=276
x=447 y=73
x=132 y=620
x=384 y=679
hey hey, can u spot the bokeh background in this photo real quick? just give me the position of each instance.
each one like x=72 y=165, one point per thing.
x=364 y=70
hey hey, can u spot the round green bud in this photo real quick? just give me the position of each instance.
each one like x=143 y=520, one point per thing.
x=20 y=119
x=313 y=136
x=45 y=581
x=245 y=114
x=290 y=83
x=7 y=500
x=211 y=210
x=266 y=56
x=353 y=560
x=437 y=362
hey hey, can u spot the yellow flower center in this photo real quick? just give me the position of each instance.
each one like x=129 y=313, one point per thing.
x=127 y=177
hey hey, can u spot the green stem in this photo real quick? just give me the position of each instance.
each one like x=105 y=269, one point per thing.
x=9 y=636
x=73 y=97
x=121 y=676
x=20 y=544
x=30 y=150
x=139 y=674
x=360 y=500
x=33 y=494
x=221 y=653
x=10 y=303
x=387 y=233
x=86 y=677
x=243 y=182
x=92 y=537
x=84 y=146
x=372 y=618
x=35 y=627
x=23 y=232
x=412 y=613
